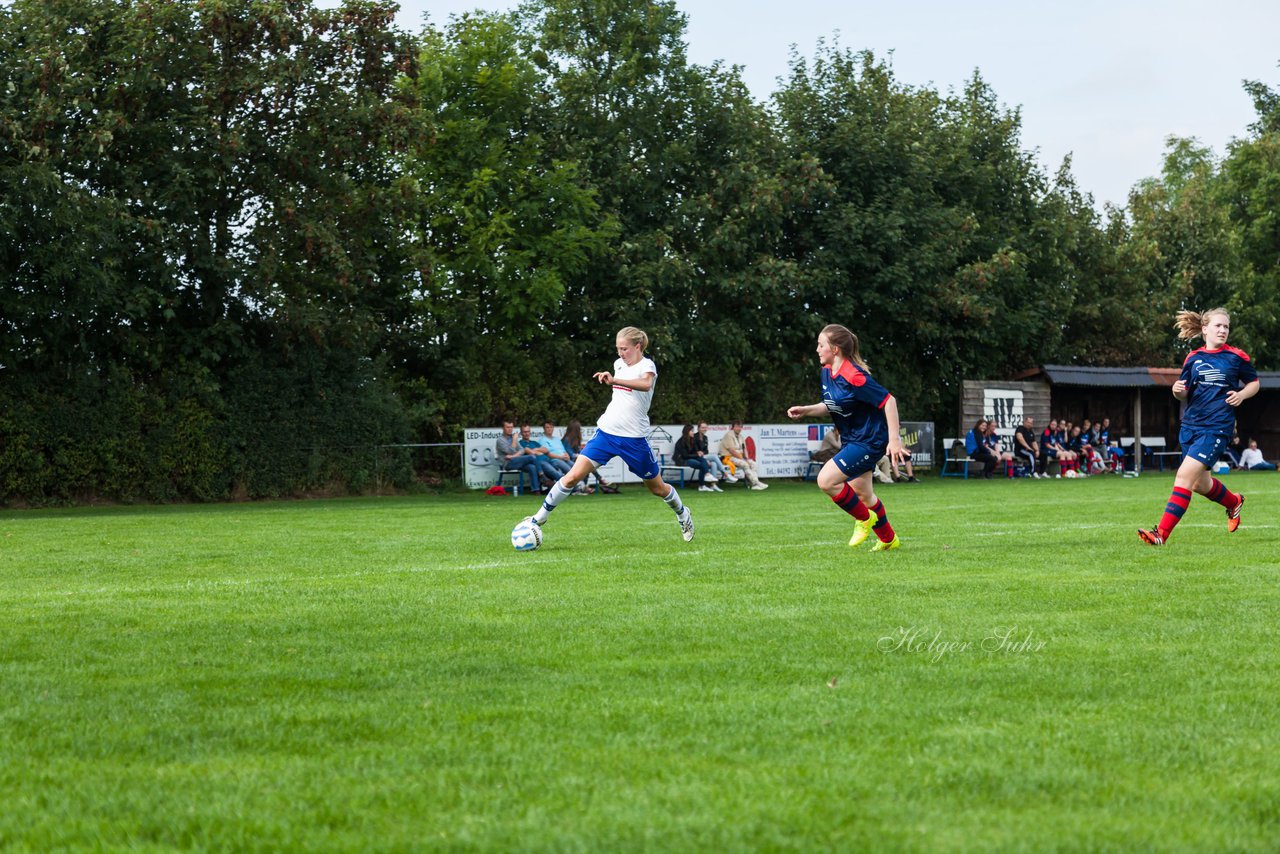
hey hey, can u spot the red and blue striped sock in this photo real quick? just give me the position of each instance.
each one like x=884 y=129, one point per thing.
x=1220 y=494
x=882 y=527
x=1178 y=503
x=848 y=501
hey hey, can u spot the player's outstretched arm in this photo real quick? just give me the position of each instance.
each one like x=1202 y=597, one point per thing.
x=797 y=412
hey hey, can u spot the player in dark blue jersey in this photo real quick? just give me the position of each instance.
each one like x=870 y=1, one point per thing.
x=1215 y=380
x=866 y=416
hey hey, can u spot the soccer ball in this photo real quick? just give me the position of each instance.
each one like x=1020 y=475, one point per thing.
x=526 y=536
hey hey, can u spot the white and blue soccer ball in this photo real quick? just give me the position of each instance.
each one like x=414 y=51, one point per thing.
x=526 y=536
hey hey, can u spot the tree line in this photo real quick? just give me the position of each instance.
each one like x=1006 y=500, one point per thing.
x=244 y=240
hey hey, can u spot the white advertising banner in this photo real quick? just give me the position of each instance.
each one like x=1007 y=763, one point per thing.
x=781 y=450
x=1003 y=406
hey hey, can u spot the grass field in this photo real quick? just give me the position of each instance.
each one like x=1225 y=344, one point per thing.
x=387 y=674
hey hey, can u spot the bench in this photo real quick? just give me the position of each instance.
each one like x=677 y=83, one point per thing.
x=950 y=449
x=519 y=475
x=1154 y=448
x=664 y=467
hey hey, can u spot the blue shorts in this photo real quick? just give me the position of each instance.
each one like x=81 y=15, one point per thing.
x=1202 y=445
x=635 y=452
x=856 y=460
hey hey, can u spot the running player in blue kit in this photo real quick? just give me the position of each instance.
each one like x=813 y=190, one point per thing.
x=867 y=417
x=1215 y=380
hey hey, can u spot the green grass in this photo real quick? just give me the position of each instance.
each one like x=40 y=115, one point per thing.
x=387 y=674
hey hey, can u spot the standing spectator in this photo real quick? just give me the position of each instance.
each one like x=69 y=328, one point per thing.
x=512 y=456
x=1251 y=458
x=975 y=446
x=716 y=467
x=686 y=453
x=1025 y=445
x=1215 y=379
x=734 y=447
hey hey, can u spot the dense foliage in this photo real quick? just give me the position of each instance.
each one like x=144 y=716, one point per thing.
x=243 y=241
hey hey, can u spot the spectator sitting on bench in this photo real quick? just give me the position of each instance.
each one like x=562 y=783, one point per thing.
x=992 y=440
x=975 y=446
x=1050 y=450
x=548 y=473
x=1251 y=458
x=909 y=477
x=1103 y=435
x=1077 y=445
x=733 y=446
x=512 y=456
x=1115 y=455
x=556 y=451
x=717 y=469
x=1026 y=447
x=829 y=448
x=686 y=453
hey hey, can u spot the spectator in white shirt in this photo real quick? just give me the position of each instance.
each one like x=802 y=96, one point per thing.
x=1251 y=458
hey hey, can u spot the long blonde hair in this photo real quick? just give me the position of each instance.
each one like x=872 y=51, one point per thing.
x=1191 y=324
x=846 y=342
x=634 y=336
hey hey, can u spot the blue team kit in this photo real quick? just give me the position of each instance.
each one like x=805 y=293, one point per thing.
x=856 y=403
x=1208 y=419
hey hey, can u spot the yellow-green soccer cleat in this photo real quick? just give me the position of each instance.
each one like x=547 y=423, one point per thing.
x=861 y=530
x=882 y=546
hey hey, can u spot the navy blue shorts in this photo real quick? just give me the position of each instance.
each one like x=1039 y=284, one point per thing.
x=635 y=452
x=1203 y=445
x=855 y=460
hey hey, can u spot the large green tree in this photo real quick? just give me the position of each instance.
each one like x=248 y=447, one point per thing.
x=193 y=195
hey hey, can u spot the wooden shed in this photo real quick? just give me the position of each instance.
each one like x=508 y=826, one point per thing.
x=1137 y=400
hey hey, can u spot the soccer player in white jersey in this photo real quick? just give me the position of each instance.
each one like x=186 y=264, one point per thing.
x=623 y=431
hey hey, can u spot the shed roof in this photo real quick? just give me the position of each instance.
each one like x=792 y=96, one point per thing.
x=1078 y=375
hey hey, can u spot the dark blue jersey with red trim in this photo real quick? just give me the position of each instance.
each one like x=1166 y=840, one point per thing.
x=1210 y=376
x=856 y=403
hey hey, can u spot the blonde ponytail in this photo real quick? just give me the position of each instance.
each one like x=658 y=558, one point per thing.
x=1190 y=324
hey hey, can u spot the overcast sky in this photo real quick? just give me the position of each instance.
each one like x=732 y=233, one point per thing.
x=1104 y=81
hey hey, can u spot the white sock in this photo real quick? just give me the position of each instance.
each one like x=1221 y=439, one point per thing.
x=555 y=495
x=673 y=500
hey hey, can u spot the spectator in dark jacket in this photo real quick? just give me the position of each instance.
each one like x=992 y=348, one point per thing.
x=687 y=453
x=975 y=445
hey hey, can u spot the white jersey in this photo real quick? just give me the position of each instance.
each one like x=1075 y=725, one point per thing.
x=628 y=411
